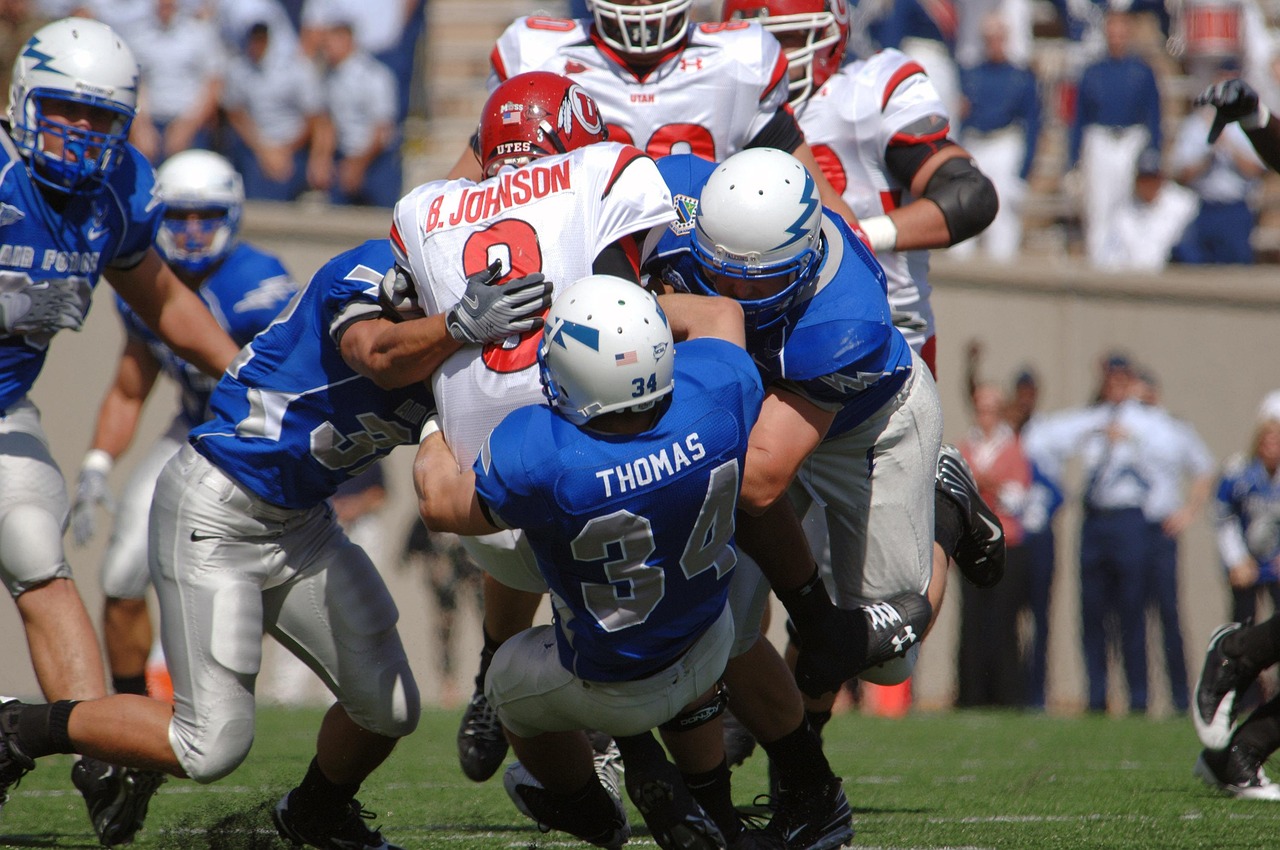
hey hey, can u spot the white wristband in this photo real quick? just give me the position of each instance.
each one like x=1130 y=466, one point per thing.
x=431 y=426
x=96 y=460
x=881 y=232
x=1257 y=120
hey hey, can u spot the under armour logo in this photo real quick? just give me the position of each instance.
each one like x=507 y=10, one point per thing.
x=691 y=64
x=903 y=640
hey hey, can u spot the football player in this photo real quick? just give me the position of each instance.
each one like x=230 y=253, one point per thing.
x=244 y=542
x=76 y=202
x=244 y=288
x=640 y=446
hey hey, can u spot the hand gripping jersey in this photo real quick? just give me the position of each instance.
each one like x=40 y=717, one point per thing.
x=710 y=98
x=244 y=294
x=290 y=420
x=42 y=246
x=849 y=123
x=633 y=534
x=839 y=349
x=554 y=216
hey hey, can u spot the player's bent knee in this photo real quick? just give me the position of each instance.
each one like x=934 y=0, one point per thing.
x=393 y=708
x=892 y=672
x=207 y=754
x=31 y=548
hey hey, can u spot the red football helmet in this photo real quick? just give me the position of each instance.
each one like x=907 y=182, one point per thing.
x=535 y=114
x=825 y=25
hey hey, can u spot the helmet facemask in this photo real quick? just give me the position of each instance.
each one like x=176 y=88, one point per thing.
x=641 y=30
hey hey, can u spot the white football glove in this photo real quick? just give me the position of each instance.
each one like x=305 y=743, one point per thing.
x=490 y=312
x=91 y=491
x=42 y=308
x=398 y=297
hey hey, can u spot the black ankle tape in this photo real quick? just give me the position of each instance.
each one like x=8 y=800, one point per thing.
x=42 y=729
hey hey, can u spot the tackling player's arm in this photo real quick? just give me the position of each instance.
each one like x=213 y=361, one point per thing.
x=396 y=354
x=695 y=316
x=447 y=497
x=953 y=199
x=790 y=427
x=122 y=406
x=175 y=313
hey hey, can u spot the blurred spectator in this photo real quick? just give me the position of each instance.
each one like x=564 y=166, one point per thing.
x=1111 y=438
x=1248 y=520
x=450 y=575
x=182 y=67
x=389 y=30
x=990 y=670
x=1145 y=227
x=18 y=20
x=1181 y=476
x=275 y=106
x=360 y=93
x=1224 y=175
x=236 y=17
x=1117 y=117
x=1001 y=127
x=973 y=17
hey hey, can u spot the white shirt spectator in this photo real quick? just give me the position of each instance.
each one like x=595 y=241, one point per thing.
x=1222 y=182
x=279 y=94
x=1181 y=456
x=361 y=94
x=235 y=17
x=178 y=61
x=377 y=24
x=1141 y=235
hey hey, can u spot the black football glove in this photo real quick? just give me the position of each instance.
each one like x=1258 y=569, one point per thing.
x=1234 y=100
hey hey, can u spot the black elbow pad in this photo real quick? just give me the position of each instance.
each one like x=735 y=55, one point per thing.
x=965 y=195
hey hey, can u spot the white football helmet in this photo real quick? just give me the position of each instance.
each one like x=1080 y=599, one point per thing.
x=759 y=216
x=641 y=30
x=606 y=346
x=203 y=196
x=80 y=63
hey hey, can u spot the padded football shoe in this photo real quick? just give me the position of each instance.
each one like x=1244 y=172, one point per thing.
x=812 y=817
x=482 y=746
x=1237 y=772
x=14 y=764
x=980 y=553
x=117 y=797
x=345 y=830
x=1220 y=685
x=675 y=819
x=604 y=827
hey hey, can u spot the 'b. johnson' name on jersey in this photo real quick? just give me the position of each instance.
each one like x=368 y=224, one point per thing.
x=509 y=189
x=652 y=468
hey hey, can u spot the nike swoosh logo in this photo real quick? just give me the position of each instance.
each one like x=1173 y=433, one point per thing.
x=996 y=531
x=197 y=536
x=471 y=301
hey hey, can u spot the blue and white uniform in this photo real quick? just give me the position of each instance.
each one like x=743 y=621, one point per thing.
x=634 y=536
x=1248 y=526
x=244 y=294
x=838 y=349
x=243 y=541
x=69 y=248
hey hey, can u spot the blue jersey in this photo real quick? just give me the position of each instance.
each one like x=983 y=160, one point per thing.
x=112 y=224
x=245 y=292
x=290 y=420
x=633 y=534
x=838 y=348
x=1248 y=505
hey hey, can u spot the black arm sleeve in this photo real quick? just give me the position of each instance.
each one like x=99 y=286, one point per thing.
x=965 y=195
x=782 y=132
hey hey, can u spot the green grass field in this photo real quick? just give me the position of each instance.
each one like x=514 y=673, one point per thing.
x=965 y=779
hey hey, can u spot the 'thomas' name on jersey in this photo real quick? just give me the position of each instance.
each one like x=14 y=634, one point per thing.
x=290 y=420
x=849 y=123
x=637 y=571
x=554 y=215
x=111 y=224
x=710 y=98
x=244 y=293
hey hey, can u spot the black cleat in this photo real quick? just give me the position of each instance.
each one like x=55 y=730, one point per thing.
x=482 y=746
x=980 y=553
x=675 y=819
x=1237 y=772
x=812 y=817
x=889 y=628
x=117 y=797
x=894 y=625
x=344 y=831
x=604 y=827
x=14 y=764
x=1219 y=687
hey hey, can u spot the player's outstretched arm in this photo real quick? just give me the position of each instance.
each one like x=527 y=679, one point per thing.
x=1235 y=100
x=175 y=313
x=694 y=316
x=396 y=354
x=447 y=498
x=788 y=430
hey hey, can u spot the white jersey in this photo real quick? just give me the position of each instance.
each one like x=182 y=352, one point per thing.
x=849 y=123
x=554 y=216
x=710 y=98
